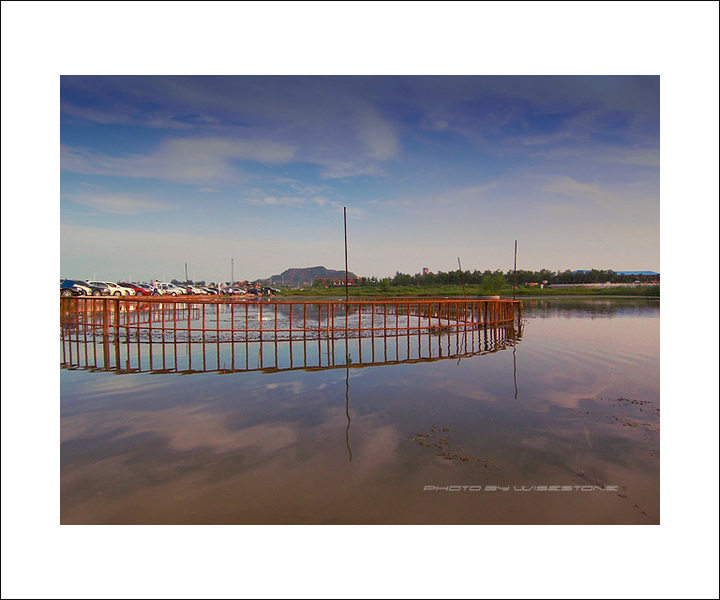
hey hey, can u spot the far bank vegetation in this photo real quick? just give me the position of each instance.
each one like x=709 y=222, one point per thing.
x=529 y=283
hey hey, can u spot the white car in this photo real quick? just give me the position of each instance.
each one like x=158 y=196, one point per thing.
x=130 y=290
x=106 y=289
x=170 y=289
x=115 y=289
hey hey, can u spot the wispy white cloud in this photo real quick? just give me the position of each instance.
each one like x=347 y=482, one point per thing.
x=181 y=160
x=640 y=157
x=313 y=193
x=344 y=168
x=469 y=195
x=394 y=203
x=120 y=204
x=102 y=115
x=258 y=197
x=378 y=135
x=567 y=186
x=264 y=200
x=615 y=202
x=338 y=127
x=306 y=189
x=261 y=197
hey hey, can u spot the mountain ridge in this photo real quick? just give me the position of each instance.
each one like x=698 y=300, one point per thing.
x=306 y=276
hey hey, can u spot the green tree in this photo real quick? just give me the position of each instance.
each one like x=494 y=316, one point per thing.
x=402 y=279
x=493 y=283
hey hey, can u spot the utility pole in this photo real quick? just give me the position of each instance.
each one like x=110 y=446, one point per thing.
x=186 y=277
x=232 y=270
x=462 y=279
x=347 y=296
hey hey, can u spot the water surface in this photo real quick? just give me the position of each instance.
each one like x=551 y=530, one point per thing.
x=557 y=425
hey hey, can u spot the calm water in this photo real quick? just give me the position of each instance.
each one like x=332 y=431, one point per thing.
x=558 y=425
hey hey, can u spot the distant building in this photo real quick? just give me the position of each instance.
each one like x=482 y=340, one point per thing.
x=425 y=270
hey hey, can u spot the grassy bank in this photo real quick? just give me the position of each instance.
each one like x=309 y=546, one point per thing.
x=473 y=290
x=645 y=291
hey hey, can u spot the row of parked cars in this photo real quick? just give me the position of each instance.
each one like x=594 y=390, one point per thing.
x=80 y=287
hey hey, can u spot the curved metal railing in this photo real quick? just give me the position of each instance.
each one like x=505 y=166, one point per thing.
x=186 y=335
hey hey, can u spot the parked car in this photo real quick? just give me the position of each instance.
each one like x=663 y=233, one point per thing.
x=68 y=287
x=196 y=290
x=139 y=289
x=170 y=289
x=87 y=288
x=129 y=287
x=105 y=289
x=80 y=287
x=117 y=290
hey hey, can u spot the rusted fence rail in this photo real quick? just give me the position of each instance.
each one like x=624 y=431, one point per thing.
x=127 y=335
x=199 y=320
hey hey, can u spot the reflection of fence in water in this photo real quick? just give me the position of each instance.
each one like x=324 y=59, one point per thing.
x=131 y=336
x=126 y=356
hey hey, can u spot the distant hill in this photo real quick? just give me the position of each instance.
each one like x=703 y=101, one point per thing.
x=306 y=276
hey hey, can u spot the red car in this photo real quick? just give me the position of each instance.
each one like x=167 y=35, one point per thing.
x=140 y=289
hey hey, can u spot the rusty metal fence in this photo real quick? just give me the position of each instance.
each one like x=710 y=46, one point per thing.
x=188 y=335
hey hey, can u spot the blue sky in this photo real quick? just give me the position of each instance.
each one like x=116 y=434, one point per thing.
x=159 y=171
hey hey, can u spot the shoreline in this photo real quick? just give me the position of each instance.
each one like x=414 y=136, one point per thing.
x=506 y=293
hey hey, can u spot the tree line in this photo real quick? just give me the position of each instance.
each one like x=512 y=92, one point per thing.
x=498 y=279
x=488 y=280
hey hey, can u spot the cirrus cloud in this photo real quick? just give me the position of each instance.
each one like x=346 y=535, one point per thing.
x=203 y=160
x=120 y=204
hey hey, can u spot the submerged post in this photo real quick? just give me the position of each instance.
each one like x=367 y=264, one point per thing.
x=515 y=272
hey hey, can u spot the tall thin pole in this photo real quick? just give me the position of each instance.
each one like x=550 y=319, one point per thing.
x=347 y=295
x=232 y=270
x=462 y=279
x=186 y=279
x=515 y=272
